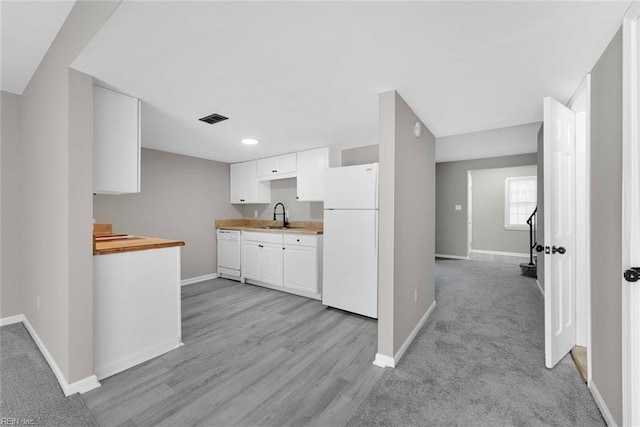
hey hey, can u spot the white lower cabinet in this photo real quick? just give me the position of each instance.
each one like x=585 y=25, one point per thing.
x=288 y=262
x=303 y=263
x=251 y=260
x=272 y=264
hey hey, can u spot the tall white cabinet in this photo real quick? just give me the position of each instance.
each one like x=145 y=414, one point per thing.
x=311 y=165
x=116 y=142
x=244 y=185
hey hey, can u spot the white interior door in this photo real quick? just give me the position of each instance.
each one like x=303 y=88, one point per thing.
x=631 y=218
x=559 y=231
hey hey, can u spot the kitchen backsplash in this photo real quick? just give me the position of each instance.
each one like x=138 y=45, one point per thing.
x=284 y=190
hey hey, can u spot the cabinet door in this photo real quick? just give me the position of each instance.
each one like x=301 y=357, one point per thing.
x=272 y=263
x=300 y=268
x=250 y=181
x=252 y=260
x=277 y=167
x=116 y=142
x=286 y=164
x=236 y=171
x=267 y=167
x=310 y=171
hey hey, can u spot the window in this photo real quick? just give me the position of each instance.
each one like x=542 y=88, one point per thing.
x=519 y=201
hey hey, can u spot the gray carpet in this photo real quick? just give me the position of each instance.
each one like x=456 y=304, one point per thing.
x=29 y=390
x=479 y=360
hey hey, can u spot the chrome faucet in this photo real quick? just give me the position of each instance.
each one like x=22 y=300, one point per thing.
x=285 y=224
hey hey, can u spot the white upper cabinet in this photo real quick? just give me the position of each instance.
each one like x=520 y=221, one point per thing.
x=244 y=185
x=311 y=167
x=116 y=142
x=277 y=167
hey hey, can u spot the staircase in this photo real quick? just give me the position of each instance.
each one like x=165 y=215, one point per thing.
x=530 y=269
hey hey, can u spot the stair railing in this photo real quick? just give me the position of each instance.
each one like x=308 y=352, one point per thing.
x=533 y=224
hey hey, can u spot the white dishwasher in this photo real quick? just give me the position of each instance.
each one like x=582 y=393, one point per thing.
x=229 y=253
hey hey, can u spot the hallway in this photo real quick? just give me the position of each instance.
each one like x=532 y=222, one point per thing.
x=479 y=360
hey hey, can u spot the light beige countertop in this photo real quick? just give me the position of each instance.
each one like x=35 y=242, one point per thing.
x=296 y=227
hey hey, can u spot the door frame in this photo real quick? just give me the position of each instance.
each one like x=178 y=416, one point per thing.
x=630 y=209
x=583 y=217
x=469 y=214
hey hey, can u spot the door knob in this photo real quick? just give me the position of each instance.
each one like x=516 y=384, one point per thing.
x=632 y=274
x=539 y=248
x=559 y=250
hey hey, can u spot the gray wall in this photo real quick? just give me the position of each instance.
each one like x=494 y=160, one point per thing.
x=501 y=142
x=451 y=190
x=284 y=190
x=540 y=218
x=55 y=216
x=360 y=155
x=180 y=199
x=606 y=226
x=488 y=201
x=406 y=222
x=12 y=198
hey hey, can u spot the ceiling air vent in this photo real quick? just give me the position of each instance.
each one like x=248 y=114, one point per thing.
x=213 y=118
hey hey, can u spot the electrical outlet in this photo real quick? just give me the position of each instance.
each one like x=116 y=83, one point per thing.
x=38 y=302
x=287 y=213
x=458 y=207
x=415 y=296
x=255 y=214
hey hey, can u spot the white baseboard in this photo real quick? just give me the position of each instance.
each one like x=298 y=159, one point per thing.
x=540 y=288
x=12 y=319
x=81 y=386
x=604 y=410
x=135 y=359
x=391 y=362
x=384 y=361
x=514 y=254
x=198 y=279
x=451 y=256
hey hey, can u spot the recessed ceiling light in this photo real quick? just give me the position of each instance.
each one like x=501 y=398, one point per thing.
x=250 y=141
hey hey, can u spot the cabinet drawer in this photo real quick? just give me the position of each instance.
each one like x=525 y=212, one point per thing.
x=300 y=240
x=262 y=237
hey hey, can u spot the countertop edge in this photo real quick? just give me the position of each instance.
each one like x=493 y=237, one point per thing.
x=274 y=231
x=139 y=247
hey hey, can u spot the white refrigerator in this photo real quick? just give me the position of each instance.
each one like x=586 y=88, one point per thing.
x=350 y=256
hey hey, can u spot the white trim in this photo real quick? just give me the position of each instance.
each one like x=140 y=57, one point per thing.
x=391 y=362
x=384 y=361
x=514 y=254
x=469 y=213
x=80 y=386
x=12 y=319
x=630 y=213
x=604 y=410
x=451 y=256
x=580 y=104
x=198 y=279
x=540 y=288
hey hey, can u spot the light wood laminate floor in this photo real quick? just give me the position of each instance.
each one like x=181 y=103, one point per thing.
x=252 y=356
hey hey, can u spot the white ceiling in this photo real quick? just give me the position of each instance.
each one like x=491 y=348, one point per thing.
x=301 y=75
x=28 y=28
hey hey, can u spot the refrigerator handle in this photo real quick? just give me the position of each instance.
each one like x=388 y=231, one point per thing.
x=375 y=233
